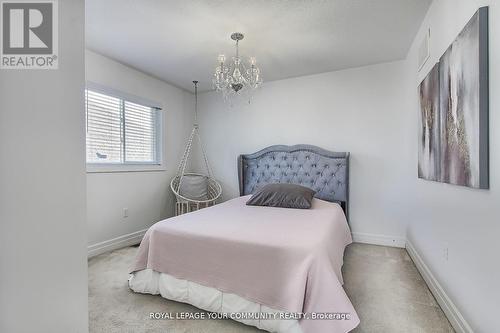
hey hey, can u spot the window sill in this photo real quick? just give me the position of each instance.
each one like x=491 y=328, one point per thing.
x=109 y=168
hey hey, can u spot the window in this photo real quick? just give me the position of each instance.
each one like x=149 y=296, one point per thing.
x=123 y=134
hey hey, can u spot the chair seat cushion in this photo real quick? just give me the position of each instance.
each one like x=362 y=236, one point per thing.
x=194 y=187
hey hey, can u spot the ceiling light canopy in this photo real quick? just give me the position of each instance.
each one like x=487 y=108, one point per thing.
x=235 y=78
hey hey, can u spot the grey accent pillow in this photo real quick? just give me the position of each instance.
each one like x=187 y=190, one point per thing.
x=283 y=195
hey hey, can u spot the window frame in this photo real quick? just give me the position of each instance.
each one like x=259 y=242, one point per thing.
x=159 y=164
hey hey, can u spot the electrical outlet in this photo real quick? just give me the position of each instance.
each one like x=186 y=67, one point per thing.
x=445 y=251
x=125 y=212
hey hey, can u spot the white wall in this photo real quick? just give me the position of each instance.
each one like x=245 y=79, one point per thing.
x=147 y=195
x=466 y=221
x=357 y=110
x=43 y=248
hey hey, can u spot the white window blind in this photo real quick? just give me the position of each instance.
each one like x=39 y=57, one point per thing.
x=120 y=131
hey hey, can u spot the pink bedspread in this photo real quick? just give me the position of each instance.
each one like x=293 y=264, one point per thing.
x=286 y=259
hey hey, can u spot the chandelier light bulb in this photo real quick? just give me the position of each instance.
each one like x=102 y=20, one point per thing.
x=253 y=61
x=221 y=58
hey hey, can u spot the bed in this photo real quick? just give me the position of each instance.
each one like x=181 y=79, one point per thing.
x=274 y=268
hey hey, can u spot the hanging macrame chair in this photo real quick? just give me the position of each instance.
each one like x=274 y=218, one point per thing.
x=194 y=191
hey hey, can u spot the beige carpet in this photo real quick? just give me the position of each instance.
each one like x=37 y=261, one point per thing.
x=383 y=284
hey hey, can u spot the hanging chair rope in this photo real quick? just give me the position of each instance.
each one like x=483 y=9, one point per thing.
x=187 y=150
x=182 y=166
x=205 y=158
x=181 y=170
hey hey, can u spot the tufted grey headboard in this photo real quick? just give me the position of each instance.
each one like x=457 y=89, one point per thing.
x=324 y=171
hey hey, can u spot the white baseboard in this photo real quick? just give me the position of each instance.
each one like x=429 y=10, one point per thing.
x=360 y=237
x=450 y=310
x=116 y=243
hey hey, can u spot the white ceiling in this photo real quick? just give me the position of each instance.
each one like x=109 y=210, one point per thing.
x=178 y=41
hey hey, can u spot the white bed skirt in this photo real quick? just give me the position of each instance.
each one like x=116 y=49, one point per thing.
x=151 y=282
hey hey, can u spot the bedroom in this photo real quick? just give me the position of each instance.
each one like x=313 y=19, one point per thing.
x=337 y=77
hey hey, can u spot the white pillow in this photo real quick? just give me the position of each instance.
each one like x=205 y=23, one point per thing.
x=194 y=187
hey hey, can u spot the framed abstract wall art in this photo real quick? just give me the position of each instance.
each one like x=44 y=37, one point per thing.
x=453 y=129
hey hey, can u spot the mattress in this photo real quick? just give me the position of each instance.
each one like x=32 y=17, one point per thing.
x=286 y=260
x=229 y=305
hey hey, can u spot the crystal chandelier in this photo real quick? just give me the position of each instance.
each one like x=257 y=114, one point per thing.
x=235 y=79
